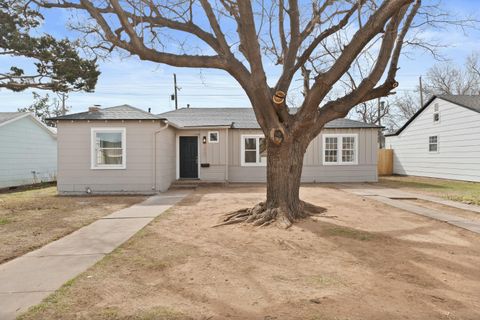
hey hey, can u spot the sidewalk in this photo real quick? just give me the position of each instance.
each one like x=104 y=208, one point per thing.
x=27 y=280
x=394 y=198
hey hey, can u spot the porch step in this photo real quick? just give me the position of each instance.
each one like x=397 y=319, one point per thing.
x=193 y=184
x=184 y=184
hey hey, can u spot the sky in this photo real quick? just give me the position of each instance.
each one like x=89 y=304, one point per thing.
x=143 y=84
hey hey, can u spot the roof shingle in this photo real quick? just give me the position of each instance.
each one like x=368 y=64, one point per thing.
x=238 y=118
x=123 y=112
x=7 y=116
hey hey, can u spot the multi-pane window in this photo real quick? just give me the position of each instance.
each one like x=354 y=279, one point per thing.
x=331 y=149
x=433 y=143
x=340 y=149
x=254 y=151
x=108 y=148
x=348 y=149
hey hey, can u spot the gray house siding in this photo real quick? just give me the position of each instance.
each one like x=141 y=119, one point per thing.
x=76 y=175
x=213 y=154
x=458 y=155
x=74 y=157
x=28 y=153
x=313 y=168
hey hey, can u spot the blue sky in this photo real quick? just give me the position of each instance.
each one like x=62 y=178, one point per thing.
x=149 y=85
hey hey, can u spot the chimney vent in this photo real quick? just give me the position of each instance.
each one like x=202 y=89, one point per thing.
x=94 y=108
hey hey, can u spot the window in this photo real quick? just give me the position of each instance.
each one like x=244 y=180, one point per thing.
x=340 y=149
x=213 y=137
x=331 y=148
x=254 y=150
x=436 y=113
x=433 y=144
x=108 y=148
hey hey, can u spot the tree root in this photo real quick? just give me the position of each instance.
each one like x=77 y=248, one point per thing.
x=262 y=216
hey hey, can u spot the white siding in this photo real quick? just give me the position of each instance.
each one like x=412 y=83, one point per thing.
x=28 y=153
x=458 y=155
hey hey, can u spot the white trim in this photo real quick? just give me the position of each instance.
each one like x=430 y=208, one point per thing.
x=242 y=150
x=93 y=164
x=339 y=137
x=218 y=136
x=177 y=152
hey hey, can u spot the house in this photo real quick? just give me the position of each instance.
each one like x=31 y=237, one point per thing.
x=126 y=150
x=28 y=150
x=442 y=140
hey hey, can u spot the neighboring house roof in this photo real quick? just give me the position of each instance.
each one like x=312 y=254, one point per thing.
x=237 y=118
x=123 y=112
x=471 y=102
x=6 y=117
x=9 y=117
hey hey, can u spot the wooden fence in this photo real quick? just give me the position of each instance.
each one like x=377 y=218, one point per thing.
x=385 y=162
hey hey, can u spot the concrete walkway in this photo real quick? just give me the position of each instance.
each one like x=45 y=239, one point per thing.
x=394 y=197
x=27 y=280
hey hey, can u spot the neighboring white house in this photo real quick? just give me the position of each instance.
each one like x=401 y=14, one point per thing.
x=442 y=140
x=28 y=150
x=126 y=150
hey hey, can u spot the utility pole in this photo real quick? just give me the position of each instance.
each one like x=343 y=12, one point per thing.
x=64 y=110
x=379 y=107
x=175 y=90
x=421 y=91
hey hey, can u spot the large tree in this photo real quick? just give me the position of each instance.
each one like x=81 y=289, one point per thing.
x=57 y=65
x=319 y=40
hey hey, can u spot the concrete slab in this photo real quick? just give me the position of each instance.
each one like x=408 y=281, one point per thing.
x=27 y=280
x=14 y=304
x=396 y=199
x=31 y=274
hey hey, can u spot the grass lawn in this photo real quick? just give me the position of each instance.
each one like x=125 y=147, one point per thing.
x=361 y=259
x=468 y=192
x=34 y=217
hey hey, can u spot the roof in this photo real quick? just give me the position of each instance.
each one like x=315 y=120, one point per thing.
x=237 y=118
x=471 y=102
x=9 y=117
x=123 y=112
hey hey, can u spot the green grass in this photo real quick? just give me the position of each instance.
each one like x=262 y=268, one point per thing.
x=4 y=221
x=463 y=191
x=345 y=232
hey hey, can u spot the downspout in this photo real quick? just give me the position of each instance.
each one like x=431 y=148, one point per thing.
x=226 y=155
x=154 y=186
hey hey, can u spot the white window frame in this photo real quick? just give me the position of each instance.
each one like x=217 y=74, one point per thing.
x=218 y=136
x=339 y=148
x=438 y=144
x=242 y=155
x=436 y=111
x=93 y=152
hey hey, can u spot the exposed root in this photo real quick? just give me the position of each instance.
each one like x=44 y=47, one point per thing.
x=262 y=216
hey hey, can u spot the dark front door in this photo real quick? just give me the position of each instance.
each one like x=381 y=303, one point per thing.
x=189 y=157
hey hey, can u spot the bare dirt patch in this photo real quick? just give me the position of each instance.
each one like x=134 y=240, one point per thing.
x=30 y=219
x=361 y=259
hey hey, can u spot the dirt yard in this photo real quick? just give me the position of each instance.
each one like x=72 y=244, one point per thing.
x=360 y=260
x=30 y=219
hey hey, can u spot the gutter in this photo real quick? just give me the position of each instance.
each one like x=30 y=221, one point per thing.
x=154 y=186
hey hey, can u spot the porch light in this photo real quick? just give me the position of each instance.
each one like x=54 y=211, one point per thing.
x=204 y=140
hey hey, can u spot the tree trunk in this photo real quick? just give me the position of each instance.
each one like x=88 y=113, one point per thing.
x=283 y=204
x=284 y=171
